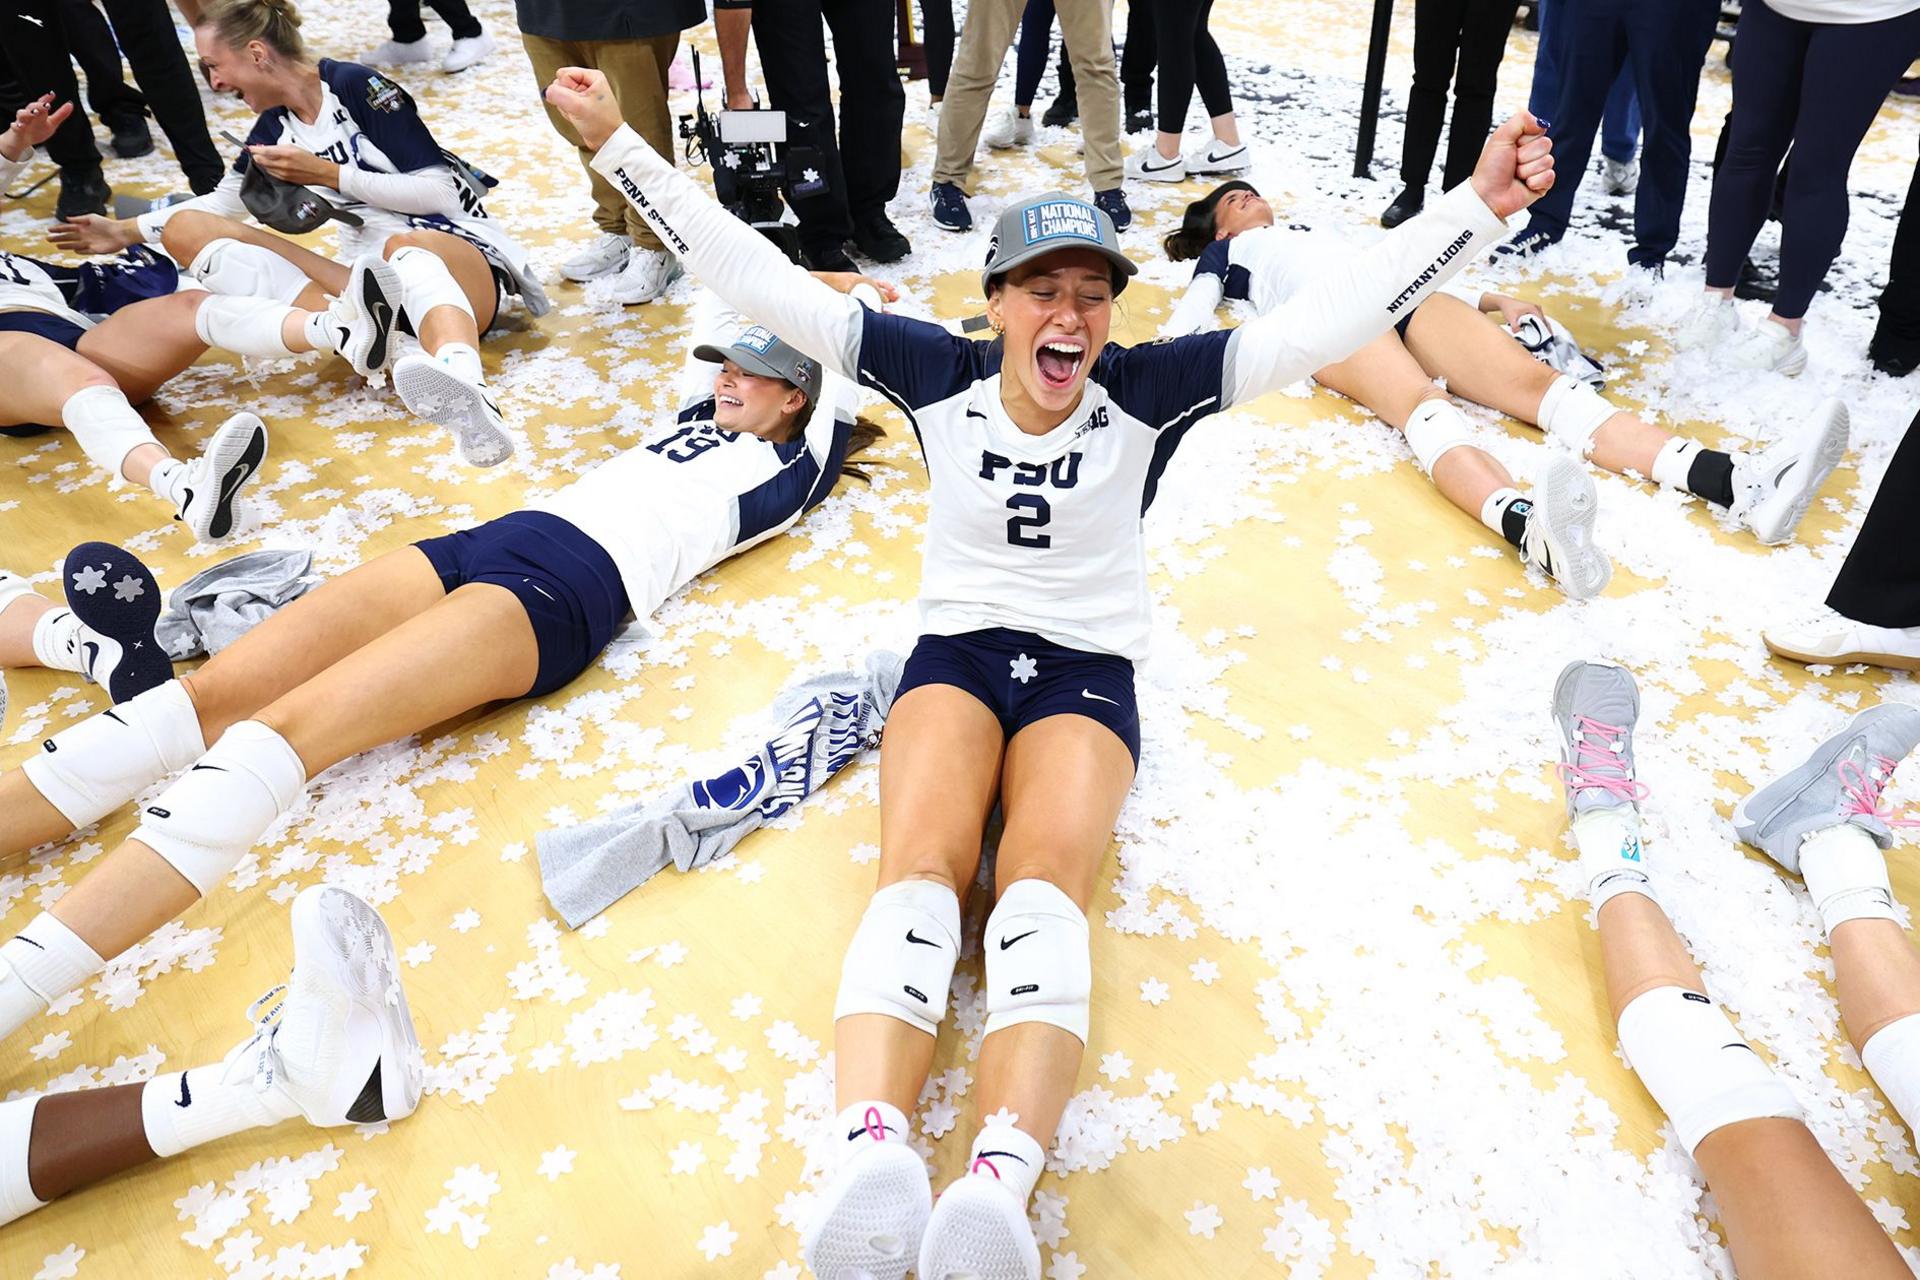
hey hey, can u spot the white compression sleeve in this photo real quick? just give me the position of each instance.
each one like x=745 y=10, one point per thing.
x=1194 y=311
x=16 y=1137
x=246 y=326
x=1892 y=1056
x=1697 y=1066
x=88 y=770
x=1346 y=306
x=733 y=259
x=433 y=190
x=105 y=426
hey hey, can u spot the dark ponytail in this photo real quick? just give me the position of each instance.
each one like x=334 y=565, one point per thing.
x=864 y=435
x=1196 y=225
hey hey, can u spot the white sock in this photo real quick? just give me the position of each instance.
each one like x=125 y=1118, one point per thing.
x=321 y=335
x=168 y=480
x=1846 y=876
x=1674 y=461
x=183 y=1109
x=853 y=1123
x=56 y=640
x=462 y=359
x=1892 y=1056
x=16 y=1135
x=44 y=961
x=1610 y=854
x=1495 y=507
x=105 y=426
x=1010 y=1155
x=248 y=326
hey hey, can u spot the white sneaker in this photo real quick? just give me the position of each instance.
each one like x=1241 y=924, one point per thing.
x=1148 y=165
x=1220 y=158
x=364 y=314
x=1620 y=176
x=606 y=255
x=1559 y=537
x=340 y=1044
x=398 y=53
x=933 y=118
x=441 y=395
x=466 y=52
x=1827 y=636
x=978 y=1231
x=1008 y=128
x=208 y=494
x=646 y=277
x=1713 y=319
x=1772 y=489
x=1767 y=346
x=867 y=1224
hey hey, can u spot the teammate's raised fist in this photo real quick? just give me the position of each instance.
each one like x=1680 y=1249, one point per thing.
x=1516 y=168
x=582 y=96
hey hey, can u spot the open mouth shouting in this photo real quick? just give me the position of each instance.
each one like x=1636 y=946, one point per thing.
x=1058 y=361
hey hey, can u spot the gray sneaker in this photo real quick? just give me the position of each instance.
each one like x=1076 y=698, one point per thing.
x=1595 y=704
x=1840 y=782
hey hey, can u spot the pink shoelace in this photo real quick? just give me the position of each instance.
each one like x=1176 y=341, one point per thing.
x=1863 y=788
x=876 y=1126
x=1597 y=761
x=982 y=1160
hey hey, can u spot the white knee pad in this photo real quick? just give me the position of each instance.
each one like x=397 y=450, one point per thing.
x=425 y=283
x=247 y=270
x=246 y=326
x=1892 y=1056
x=900 y=962
x=1697 y=1066
x=1433 y=428
x=214 y=812
x=88 y=770
x=1039 y=959
x=105 y=426
x=1571 y=412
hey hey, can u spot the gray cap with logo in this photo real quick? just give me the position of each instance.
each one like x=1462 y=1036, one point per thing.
x=1046 y=224
x=756 y=350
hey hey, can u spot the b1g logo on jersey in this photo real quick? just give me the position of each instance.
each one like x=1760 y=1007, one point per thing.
x=1058 y=219
x=1032 y=512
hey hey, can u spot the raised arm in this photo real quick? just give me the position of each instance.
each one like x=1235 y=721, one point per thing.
x=725 y=254
x=1194 y=311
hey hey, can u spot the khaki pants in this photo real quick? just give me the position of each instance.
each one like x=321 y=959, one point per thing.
x=1087 y=27
x=636 y=70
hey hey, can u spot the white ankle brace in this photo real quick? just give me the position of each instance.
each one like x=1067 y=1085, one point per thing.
x=90 y=769
x=1611 y=854
x=1846 y=876
x=105 y=426
x=214 y=812
x=1697 y=1066
x=246 y=326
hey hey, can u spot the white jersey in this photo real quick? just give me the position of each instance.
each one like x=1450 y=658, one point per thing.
x=1043 y=533
x=694 y=494
x=25 y=284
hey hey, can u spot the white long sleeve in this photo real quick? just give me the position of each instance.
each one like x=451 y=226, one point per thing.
x=1347 y=306
x=10 y=169
x=223 y=200
x=1194 y=311
x=433 y=190
x=733 y=259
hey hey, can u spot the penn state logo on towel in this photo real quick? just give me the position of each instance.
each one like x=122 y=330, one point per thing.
x=1061 y=220
x=383 y=94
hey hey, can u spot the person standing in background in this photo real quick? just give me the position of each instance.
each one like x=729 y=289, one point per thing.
x=1619 y=126
x=1190 y=58
x=1473 y=32
x=471 y=42
x=632 y=43
x=1895 y=348
x=118 y=105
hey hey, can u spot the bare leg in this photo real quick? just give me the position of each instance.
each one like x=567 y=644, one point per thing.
x=1385 y=377
x=84 y=1136
x=17 y=618
x=939 y=770
x=470 y=271
x=42 y=376
x=1877 y=973
x=1227 y=129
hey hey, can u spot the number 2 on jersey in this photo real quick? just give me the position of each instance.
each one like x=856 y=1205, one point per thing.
x=1020 y=528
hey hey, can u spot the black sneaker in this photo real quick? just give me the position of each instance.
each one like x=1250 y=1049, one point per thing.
x=950 y=207
x=1405 y=205
x=82 y=190
x=1114 y=203
x=876 y=237
x=826 y=257
x=132 y=138
x=1892 y=354
x=1140 y=121
x=1063 y=110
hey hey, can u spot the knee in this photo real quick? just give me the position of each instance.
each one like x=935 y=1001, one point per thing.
x=216 y=712
x=405 y=240
x=186 y=233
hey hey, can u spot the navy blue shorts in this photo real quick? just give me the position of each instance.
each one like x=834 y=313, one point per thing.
x=1400 y=325
x=1022 y=678
x=43 y=324
x=566 y=581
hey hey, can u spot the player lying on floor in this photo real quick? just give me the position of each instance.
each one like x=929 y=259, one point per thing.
x=514 y=608
x=64 y=368
x=1043 y=448
x=1242 y=253
x=335 y=1047
x=355 y=142
x=1786 y=1210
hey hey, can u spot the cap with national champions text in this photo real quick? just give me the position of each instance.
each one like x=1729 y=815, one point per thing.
x=758 y=351
x=1046 y=224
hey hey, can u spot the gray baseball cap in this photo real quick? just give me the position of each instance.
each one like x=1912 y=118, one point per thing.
x=1046 y=224
x=758 y=351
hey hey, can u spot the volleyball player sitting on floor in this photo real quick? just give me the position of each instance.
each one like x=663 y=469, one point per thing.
x=1043 y=447
x=1243 y=253
x=62 y=367
x=1786 y=1210
x=514 y=608
x=354 y=138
